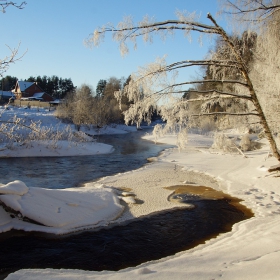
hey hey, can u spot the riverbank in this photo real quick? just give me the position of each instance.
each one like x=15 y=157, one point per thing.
x=250 y=251
x=62 y=139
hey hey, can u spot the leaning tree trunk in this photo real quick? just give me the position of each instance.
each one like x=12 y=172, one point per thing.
x=252 y=92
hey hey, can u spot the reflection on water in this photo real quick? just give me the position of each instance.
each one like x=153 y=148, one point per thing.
x=63 y=172
x=189 y=193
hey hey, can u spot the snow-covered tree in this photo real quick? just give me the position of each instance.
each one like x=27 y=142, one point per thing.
x=155 y=84
x=78 y=107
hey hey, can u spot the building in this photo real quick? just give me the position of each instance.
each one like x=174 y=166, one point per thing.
x=30 y=90
x=5 y=96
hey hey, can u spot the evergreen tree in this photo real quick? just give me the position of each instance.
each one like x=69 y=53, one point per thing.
x=8 y=83
x=101 y=85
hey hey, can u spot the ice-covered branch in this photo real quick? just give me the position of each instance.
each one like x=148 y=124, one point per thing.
x=222 y=93
x=225 y=114
x=200 y=82
x=264 y=9
x=8 y=60
x=5 y=4
x=128 y=31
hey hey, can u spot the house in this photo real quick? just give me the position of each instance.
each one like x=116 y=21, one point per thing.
x=41 y=96
x=5 y=96
x=30 y=90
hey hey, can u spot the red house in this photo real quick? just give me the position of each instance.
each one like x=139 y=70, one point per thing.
x=30 y=90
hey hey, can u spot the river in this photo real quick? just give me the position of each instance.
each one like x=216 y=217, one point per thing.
x=131 y=152
x=151 y=238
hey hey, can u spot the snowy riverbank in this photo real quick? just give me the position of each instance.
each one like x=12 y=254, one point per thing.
x=86 y=145
x=250 y=251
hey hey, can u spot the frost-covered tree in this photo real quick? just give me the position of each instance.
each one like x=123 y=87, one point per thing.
x=105 y=97
x=151 y=84
x=78 y=107
x=251 y=12
x=263 y=16
x=232 y=104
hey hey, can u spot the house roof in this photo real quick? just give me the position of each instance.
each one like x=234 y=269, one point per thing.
x=38 y=94
x=56 y=101
x=6 y=93
x=24 y=85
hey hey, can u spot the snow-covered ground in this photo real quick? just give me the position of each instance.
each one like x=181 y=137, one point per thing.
x=53 y=148
x=250 y=251
x=58 y=211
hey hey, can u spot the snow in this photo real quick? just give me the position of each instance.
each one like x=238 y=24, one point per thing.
x=6 y=94
x=56 y=148
x=17 y=187
x=38 y=94
x=23 y=85
x=62 y=210
x=250 y=251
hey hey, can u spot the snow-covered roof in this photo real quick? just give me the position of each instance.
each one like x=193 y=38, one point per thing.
x=24 y=85
x=38 y=94
x=6 y=93
x=56 y=101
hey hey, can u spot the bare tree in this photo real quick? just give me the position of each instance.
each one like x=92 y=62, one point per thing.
x=153 y=81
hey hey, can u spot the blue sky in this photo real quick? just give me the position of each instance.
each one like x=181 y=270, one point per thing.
x=53 y=32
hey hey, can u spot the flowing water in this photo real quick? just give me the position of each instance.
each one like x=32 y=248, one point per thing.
x=151 y=238
x=66 y=172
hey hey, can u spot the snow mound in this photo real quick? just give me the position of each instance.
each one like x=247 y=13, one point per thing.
x=129 y=199
x=62 y=209
x=16 y=187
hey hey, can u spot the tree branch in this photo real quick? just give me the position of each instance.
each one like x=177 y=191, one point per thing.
x=202 y=81
x=20 y=124
x=5 y=62
x=250 y=10
x=247 y=97
x=5 y=5
x=168 y=24
x=225 y=113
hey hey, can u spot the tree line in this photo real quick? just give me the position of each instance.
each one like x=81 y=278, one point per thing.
x=83 y=105
x=86 y=106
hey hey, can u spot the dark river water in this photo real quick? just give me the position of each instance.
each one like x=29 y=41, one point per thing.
x=66 y=172
x=160 y=235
